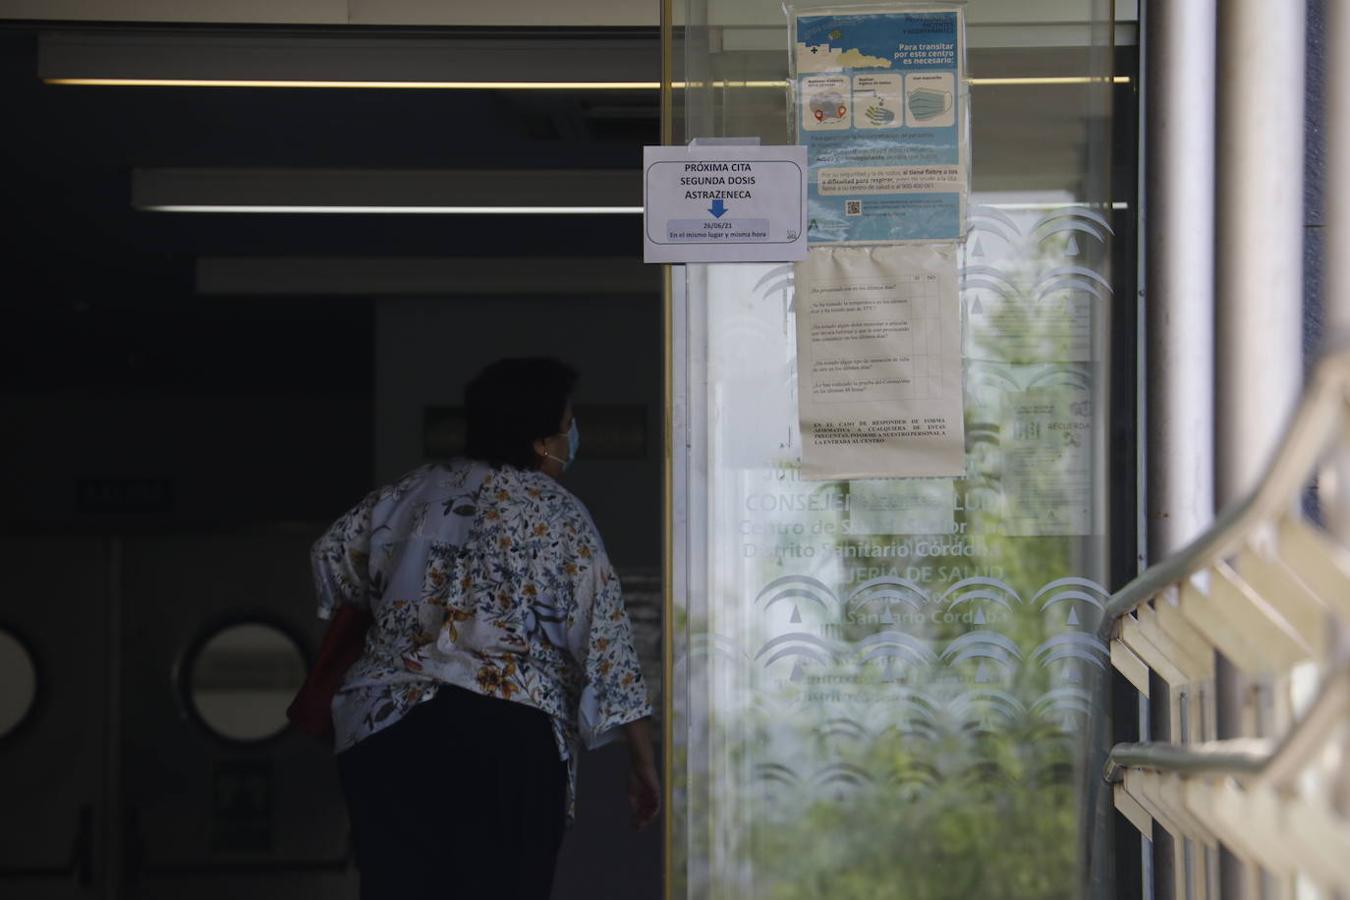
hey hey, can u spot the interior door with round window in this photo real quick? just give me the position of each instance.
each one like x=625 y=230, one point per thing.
x=222 y=797
x=53 y=701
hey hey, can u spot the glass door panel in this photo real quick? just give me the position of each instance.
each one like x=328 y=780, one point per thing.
x=880 y=685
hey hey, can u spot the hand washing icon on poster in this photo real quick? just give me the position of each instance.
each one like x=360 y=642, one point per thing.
x=880 y=101
x=879 y=112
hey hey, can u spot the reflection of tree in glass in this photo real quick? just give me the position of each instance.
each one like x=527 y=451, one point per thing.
x=928 y=751
x=944 y=743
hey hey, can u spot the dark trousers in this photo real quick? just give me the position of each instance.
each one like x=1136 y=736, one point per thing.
x=462 y=798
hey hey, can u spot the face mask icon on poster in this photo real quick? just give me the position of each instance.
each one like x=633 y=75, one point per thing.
x=925 y=103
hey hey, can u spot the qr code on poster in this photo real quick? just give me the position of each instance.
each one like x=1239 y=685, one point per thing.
x=853 y=207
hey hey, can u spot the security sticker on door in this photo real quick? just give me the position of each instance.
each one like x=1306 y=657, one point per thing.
x=724 y=204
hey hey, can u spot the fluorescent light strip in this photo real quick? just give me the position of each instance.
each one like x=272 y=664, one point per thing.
x=530 y=85
x=500 y=210
x=412 y=85
x=398 y=210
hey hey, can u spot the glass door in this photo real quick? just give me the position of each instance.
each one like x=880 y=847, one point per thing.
x=879 y=685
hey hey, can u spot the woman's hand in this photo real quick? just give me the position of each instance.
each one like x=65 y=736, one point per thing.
x=644 y=795
x=644 y=785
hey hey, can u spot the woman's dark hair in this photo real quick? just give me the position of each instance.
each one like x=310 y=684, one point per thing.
x=512 y=403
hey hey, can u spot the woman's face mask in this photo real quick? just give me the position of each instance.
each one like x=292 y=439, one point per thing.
x=573 y=442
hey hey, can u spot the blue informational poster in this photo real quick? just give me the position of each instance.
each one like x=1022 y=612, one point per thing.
x=879 y=107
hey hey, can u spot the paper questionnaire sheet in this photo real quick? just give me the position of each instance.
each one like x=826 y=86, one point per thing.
x=879 y=362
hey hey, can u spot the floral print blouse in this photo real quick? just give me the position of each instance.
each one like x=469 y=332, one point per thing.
x=490 y=579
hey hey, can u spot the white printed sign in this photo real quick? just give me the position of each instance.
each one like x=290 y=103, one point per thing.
x=879 y=362
x=724 y=204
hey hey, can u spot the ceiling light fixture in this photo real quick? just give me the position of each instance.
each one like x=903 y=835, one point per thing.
x=240 y=58
x=396 y=210
x=358 y=85
x=234 y=58
x=1011 y=81
x=389 y=191
x=411 y=276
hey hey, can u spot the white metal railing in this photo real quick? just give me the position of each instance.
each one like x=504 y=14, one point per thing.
x=1269 y=588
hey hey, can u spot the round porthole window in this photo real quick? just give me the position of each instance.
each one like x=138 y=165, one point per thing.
x=18 y=683
x=243 y=678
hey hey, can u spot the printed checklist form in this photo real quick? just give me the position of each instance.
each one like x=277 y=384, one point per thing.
x=879 y=362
